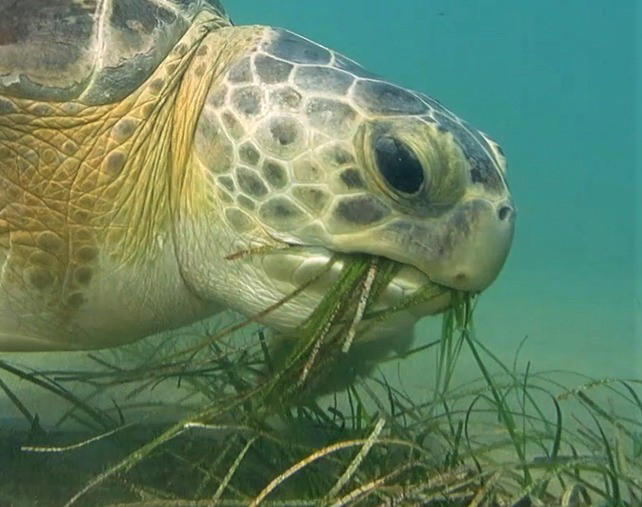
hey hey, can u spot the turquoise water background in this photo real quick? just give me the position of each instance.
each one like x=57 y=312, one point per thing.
x=557 y=84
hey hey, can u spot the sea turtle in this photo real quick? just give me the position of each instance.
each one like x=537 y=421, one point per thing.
x=145 y=143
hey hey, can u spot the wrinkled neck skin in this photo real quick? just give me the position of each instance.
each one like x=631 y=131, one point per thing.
x=90 y=201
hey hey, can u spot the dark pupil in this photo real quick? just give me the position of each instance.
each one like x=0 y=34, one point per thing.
x=398 y=165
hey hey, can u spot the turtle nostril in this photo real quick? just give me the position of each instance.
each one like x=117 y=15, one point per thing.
x=505 y=212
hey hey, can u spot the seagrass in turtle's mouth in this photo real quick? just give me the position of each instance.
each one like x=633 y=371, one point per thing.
x=405 y=297
x=298 y=265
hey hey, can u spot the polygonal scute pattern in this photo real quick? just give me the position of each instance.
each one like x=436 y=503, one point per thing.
x=270 y=70
x=249 y=154
x=308 y=171
x=483 y=168
x=384 y=98
x=275 y=174
x=213 y=146
x=322 y=79
x=282 y=136
x=285 y=98
x=241 y=72
x=282 y=214
x=313 y=197
x=239 y=220
x=250 y=183
x=351 y=212
x=332 y=117
x=248 y=101
x=294 y=48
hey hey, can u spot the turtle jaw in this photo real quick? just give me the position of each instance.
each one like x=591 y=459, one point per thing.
x=478 y=260
x=294 y=267
x=463 y=250
x=468 y=252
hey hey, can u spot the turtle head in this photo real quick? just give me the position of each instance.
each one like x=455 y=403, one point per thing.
x=305 y=147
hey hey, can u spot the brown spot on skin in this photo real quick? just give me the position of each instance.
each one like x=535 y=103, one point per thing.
x=39 y=278
x=233 y=126
x=86 y=253
x=202 y=51
x=70 y=147
x=275 y=174
x=76 y=300
x=49 y=156
x=200 y=69
x=114 y=163
x=42 y=109
x=249 y=154
x=361 y=210
x=82 y=275
x=42 y=259
x=124 y=129
x=351 y=178
x=180 y=49
x=156 y=85
x=246 y=202
x=148 y=109
x=312 y=198
x=250 y=183
x=50 y=242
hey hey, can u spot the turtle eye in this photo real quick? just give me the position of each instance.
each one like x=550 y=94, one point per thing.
x=398 y=165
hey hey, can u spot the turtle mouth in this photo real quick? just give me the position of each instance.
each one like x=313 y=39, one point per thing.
x=297 y=265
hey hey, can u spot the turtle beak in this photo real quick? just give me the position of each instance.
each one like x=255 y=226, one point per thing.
x=466 y=252
x=474 y=263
